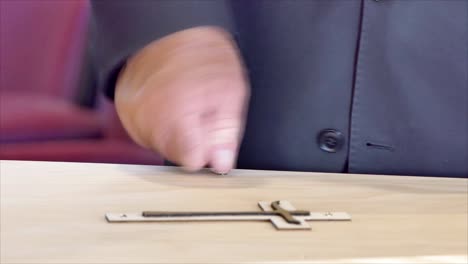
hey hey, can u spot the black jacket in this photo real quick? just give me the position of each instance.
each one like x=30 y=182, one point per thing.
x=337 y=86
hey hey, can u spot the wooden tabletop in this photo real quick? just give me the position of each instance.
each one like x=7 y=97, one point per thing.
x=54 y=212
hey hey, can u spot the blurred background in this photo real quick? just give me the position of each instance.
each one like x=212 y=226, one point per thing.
x=50 y=109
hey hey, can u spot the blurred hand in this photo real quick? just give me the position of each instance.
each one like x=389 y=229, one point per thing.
x=185 y=97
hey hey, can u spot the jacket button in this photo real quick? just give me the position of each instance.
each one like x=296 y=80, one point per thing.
x=330 y=140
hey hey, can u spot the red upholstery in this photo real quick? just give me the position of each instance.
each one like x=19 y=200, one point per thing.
x=34 y=117
x=42 y=43
x=85 y=150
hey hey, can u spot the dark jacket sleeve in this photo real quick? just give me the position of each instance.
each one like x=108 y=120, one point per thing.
x=119 y=28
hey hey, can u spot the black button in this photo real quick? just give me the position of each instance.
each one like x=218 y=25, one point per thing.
x=330 y=140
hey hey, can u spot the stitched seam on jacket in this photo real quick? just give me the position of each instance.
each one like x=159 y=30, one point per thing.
x=355 y=106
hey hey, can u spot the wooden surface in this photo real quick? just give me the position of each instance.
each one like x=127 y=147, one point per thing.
x=54 y=212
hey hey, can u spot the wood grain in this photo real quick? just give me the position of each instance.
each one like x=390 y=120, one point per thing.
x=54 y=213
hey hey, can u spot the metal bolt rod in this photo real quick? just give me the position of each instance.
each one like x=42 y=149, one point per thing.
x=277 y=211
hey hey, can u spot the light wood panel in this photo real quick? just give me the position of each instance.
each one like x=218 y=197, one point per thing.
x=54 y=213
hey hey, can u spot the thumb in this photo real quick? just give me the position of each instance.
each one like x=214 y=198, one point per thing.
x=223 y=134
x=224 y=138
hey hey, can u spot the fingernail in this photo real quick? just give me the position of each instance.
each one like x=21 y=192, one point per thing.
x=217 y=172
x=222 y=161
